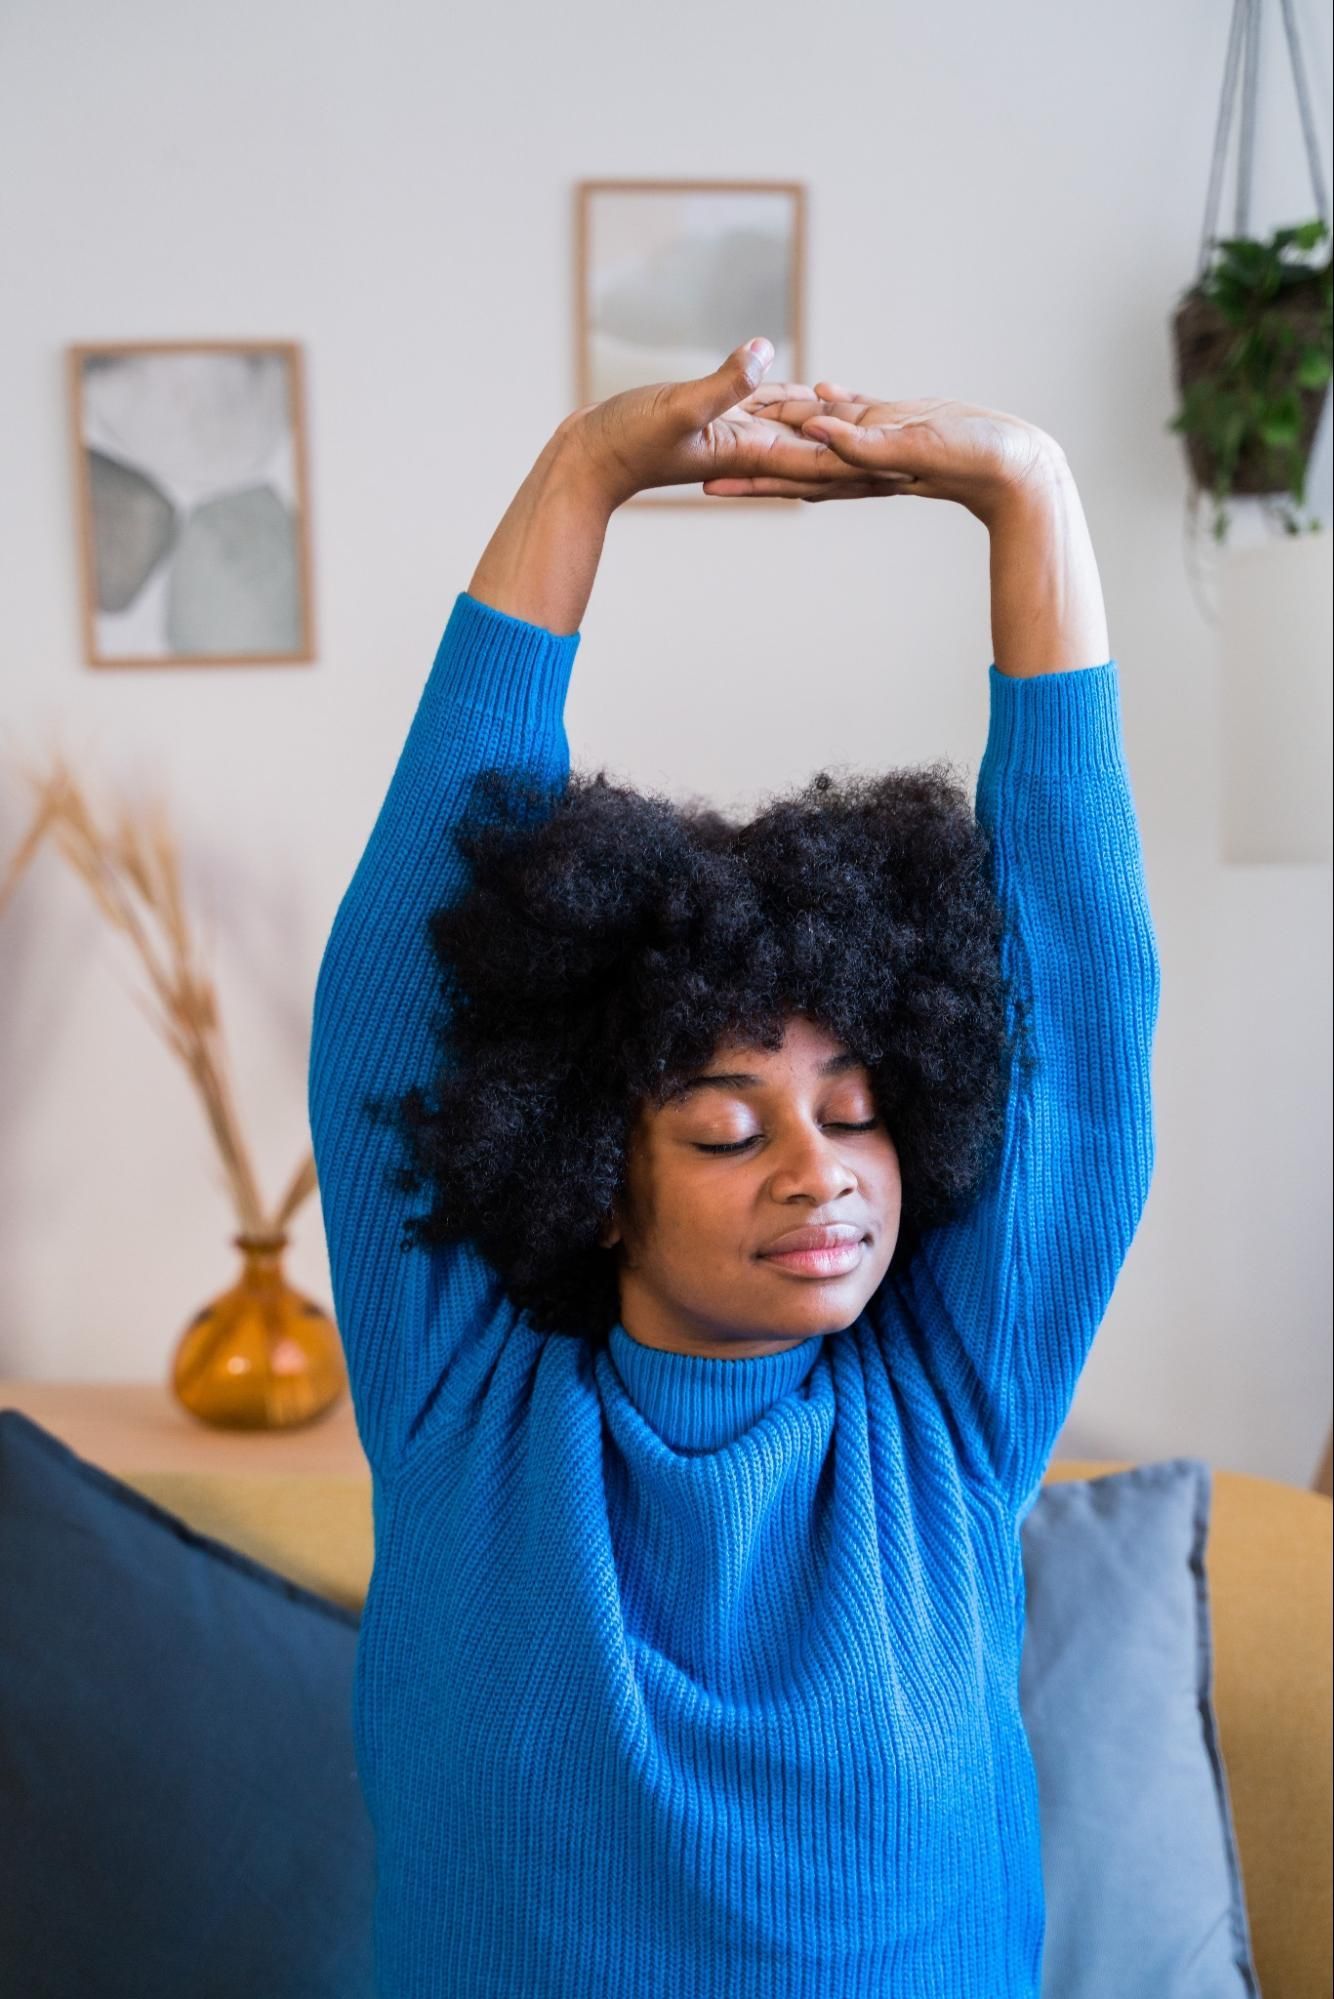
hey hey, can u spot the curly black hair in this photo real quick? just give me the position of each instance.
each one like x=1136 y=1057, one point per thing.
x=609 y=939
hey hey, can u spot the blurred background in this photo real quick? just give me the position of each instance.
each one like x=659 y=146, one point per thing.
x=1002 y=205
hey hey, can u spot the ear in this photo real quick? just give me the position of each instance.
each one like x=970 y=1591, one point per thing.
x=611 y=1229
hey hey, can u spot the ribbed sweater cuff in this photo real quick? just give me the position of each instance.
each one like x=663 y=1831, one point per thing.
x=504 y=665
x=1058 y=724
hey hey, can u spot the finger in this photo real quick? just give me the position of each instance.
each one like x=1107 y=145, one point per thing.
x=879 y=447
x=834 y=392
x=787 y=489
x=819 y=392
x=800 y=489
x=777 y=450
x=702 y=402
x=795 y=407
x=779 y=392
x=785 y=402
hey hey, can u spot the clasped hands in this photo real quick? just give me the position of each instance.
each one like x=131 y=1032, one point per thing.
x=745 y=438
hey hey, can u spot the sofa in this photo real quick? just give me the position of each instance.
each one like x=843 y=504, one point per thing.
x=1269 y=1573
x=251 y=1734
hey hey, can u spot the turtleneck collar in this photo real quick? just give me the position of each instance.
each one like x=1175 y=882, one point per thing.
x=699 y=1401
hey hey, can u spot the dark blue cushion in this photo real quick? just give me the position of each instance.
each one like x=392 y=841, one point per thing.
x=180 y=1815
x=1139 y=1855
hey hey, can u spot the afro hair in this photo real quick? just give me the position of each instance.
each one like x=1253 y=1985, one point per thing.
x=608 y=940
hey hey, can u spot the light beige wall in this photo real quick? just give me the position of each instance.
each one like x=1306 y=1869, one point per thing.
x=1004 y=203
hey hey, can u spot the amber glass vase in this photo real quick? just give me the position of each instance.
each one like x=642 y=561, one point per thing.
x=260 y=1357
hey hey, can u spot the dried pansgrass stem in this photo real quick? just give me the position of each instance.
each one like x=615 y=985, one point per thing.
x=132 y=869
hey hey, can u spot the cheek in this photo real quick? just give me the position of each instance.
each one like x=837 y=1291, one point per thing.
x=698 y=1218
x=893 y=1176
x=704 y=1210
x=883 y=1181
x=666 y=1201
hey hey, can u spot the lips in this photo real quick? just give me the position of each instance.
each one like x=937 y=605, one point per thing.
x=836 y=1235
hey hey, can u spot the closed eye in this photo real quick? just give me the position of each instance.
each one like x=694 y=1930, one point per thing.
x=741 y=1143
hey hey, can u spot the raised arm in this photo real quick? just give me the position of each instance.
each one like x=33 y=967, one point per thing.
x=495 y=696
x=1002 y=1305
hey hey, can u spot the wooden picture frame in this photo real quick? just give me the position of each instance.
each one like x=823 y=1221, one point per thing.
x=192 y=502
x=671 y=275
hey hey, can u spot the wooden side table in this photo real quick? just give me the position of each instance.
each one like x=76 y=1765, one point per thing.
x=133 y=1427
x=299 y=1501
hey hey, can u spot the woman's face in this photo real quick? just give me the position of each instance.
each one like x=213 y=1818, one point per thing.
x=698 y=1227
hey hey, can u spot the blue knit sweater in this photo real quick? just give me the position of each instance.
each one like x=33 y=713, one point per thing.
x=695 y=1678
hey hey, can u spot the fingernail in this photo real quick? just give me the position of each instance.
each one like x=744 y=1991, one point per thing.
x=761 y=349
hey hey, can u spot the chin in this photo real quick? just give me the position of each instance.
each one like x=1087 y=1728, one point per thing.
x=827 y=1314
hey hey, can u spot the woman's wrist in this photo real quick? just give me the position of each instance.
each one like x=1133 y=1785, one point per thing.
x=1047 y=611
x=542 y=560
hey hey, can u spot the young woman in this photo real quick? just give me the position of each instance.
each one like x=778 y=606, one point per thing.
x=778 y=1178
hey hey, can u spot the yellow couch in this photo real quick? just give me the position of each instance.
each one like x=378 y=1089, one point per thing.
x=1269 y=1565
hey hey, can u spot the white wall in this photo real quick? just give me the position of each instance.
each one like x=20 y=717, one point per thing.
x=1004 y=205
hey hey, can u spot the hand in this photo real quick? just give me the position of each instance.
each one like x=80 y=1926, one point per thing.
x=937 y=449
x=674 y=433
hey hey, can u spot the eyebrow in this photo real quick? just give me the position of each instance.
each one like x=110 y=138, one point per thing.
x=738 y=1080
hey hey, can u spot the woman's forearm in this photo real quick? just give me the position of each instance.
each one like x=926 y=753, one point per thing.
x=541 y=561
x=1047 y=613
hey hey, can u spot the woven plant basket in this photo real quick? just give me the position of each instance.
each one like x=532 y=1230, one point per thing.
x=1203 y=338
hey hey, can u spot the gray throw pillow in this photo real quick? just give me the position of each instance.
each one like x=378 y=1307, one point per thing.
x=1139 y=1855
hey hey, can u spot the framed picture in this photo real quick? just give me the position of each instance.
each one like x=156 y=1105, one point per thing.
x=671 y=275
x=190 y=471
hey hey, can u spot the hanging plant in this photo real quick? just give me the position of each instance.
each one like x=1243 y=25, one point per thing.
x=1254 y=343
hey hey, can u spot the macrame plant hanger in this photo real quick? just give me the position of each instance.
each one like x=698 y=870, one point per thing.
x=1245 y=35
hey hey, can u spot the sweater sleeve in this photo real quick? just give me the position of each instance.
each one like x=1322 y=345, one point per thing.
x=1002 y=1304
x=494 y=697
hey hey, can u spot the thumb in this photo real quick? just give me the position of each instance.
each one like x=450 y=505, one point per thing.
x=753 y=360
x=741 y=373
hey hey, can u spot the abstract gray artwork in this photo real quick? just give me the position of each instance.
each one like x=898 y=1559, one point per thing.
x=193 y=502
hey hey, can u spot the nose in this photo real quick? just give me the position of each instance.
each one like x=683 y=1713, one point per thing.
x=812 y=1163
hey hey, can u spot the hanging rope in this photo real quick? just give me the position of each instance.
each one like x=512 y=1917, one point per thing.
x=1250 y=83
x=1243 y=54
x=1304 y=111
x=1245 y=34
x=1223 y=129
